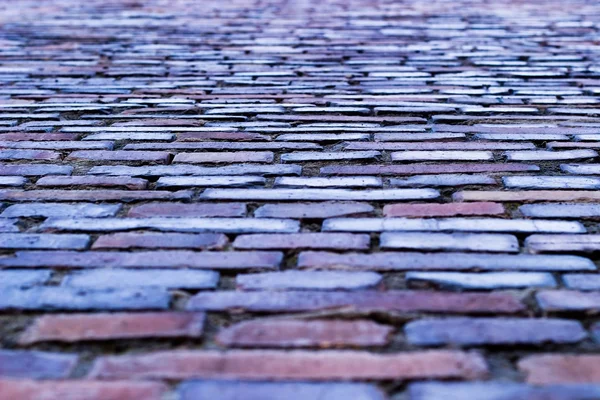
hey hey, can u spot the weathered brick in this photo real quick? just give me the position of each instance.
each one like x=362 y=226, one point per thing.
x=181 y=170
x=582 y=281
x=234 y=390
x=297 y=333
x=417 y=169
x=496 y=390
x=22 y=278
x=541 y=155
x=442 y=156
x=527 y=195
x=570 y=210
x=78 y=210
x=160 y=157
x=145 y=259
x=401 y=301
x=449 y=241
x=296 y=365
x=104 y=326
x=552 y=369
x=105 y=278
x=36 y=364
x=156 y=240
x=87 y=181
x=483 y=280
x=487 y=331
x=24 y=389
x=562 y=243
x=312 y=210
x=52 y=297
x=225 y=157
x=190 y=224
x=92 y=195
x=451 y=224
x=29 y=155
x=568 y=300
x=315 y=182
x=210 y=181
x=551 y=182
x=35 y=169
x=315 y=280
x=301 y=240
x=43 y=241
x=442 y=210
x=317 y=194
x=443 y=180
x=394 y=261
x=188 y=210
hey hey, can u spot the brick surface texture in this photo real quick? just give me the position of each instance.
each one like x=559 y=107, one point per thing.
x=299 y=199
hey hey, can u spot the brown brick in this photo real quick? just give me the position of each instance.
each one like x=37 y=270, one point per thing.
x=294 y=365
x=80 y=390
x=299 y=333
x=552 y=369
x=157 y=240
x=80 y=327
x=442 y=210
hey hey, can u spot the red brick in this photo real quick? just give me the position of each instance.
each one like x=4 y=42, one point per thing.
x=552 y=369
x=394 y=300
x=299 y=333
x=80 y=390
x=293 y=365
x=157 y=240
x=442 y=210
x=188 y=210
x=80 y=327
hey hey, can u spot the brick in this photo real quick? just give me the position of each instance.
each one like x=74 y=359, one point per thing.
x=181 y=170
x=309 y=333
x=23 y=278
x=160 y=157
x=442 y=156
x=24 y=389
x=35 y=169
x=396 y=261
x=417 y=169
x=87 y=181
x=443 y=180
x=442 y=210
x=84 y=327
x=552 y=369
x=296 y=365
x=51 y=298
x=79 y=210
x=145 y=259
x=571 y=210
x=225 y=157
x=237 y=136
x=551 y=182
x=440 y=146
x=582 y=281
x=13 y=181
x=43 y=241
x=92 y=195
x=541 y=155
x=492 y=331
x=450 y=241
x=581 y=169
x=309 y=280
x=399 y=301
x=301 y=156
x=317 y=194
x=130 y=136
x=312 y=210
x=224 y=146
x=188 y=210
x=527 y=195
x=29 y=155
x=233 y=390
x=483 y=280
x=210 y=181
x=562 y=243
x=568 y=300
x=301 y=240
x=106 y=278
x=499 y=391
x=451 y=224
x=36 y=364
x=157 y=240
x=226 y=225
x=356 y=181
